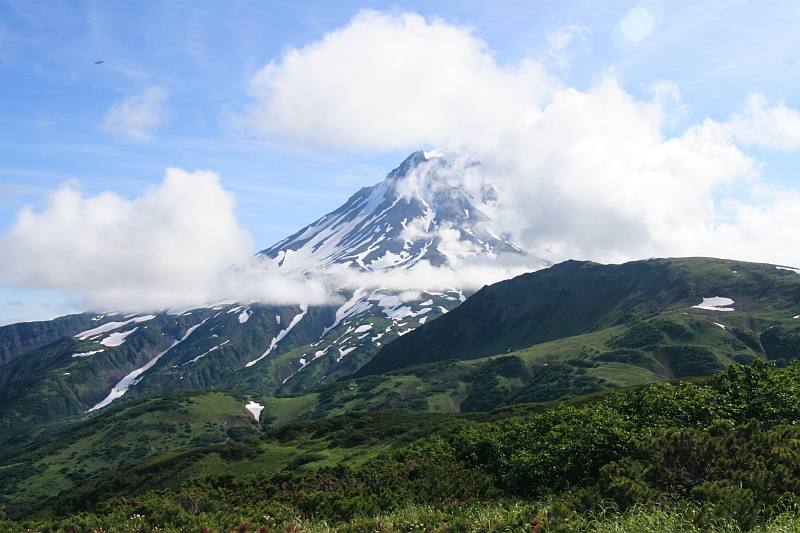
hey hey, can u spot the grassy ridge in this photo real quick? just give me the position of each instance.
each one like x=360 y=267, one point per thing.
x=575 y=298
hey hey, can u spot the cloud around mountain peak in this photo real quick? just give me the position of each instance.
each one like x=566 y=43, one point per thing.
x=592 y=173
x=179 y=245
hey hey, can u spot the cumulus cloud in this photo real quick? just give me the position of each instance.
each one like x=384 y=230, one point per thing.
x=596 y=178
x=579 y=173
x=776 y=127
x=764 y=231
x=392 y=81
x=135 y=117
x=587 y=174
x=177 y=245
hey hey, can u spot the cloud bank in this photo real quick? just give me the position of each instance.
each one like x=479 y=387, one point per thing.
x=177 y=245
x=580 y=173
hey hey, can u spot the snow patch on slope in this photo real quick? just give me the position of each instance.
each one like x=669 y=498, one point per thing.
x=255 y=409
x=298 y=317
x=343 y=353
x=715 y=303
x=111 y=326
x=358 y=303
x=119 y=390
x=362 y=328
x=87 y=354
x=217 y=347
x=117 y=338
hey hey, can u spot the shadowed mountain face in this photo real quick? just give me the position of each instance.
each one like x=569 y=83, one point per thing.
x=19 y=339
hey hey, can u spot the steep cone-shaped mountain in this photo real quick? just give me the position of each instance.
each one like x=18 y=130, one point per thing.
x=415 y=214
x=391 y=225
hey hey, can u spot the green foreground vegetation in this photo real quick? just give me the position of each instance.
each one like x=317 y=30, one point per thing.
x=718 y=455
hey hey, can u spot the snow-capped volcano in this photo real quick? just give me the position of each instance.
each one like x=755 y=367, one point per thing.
x=418 y=214
x=390 y=225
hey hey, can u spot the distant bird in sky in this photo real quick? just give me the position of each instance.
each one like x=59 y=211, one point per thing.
x=98 y=62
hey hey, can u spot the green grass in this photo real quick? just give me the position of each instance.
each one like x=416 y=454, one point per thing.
x=519 y=516
x=279 y=411
x=510 y=516
x=716 y=455
x=692 y=345
x=122 y=436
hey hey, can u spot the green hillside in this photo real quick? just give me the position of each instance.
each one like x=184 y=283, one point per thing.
x=720 y=455
x=18 y=339
x=575 y=298
x=574 y=328
x=554 y=341
x=55 y=382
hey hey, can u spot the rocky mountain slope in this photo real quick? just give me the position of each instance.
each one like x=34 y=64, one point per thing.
x=392 y=225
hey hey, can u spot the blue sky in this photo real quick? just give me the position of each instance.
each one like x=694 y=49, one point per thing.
x=203 y=54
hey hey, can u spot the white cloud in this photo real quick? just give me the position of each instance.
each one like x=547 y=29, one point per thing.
x=594 y=177
x=136 y=116
x=580 y=173
x=562 y=38
x=177 y=245
x=392 y=81
x=765 y=230
x=776 y=127
x=587 y=174
x=469 y=275
x=253 y=280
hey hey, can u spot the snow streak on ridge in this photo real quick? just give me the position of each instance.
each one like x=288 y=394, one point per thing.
x=119 y=390
x=272 y=345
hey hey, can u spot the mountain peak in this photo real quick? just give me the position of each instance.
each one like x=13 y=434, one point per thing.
x=414 y=161
x=396 y=224
x=409 y=163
